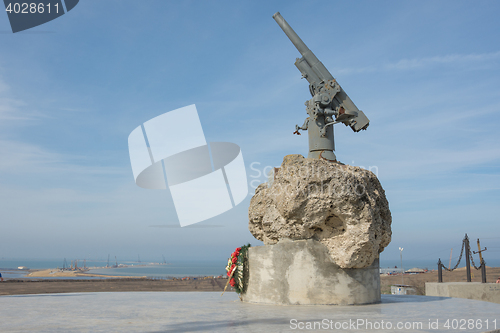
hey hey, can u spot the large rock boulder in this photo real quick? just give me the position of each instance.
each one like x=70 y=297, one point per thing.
x=341 y=206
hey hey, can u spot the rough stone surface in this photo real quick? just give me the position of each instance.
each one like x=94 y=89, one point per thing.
x=303 y=273
x=341 y=206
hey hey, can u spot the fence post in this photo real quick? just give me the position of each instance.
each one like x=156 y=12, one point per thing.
x=467 y=257
x=483 y=271
x=440 y=271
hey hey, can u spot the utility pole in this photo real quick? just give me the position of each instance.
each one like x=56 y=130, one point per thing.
x=482 y=263
x=449 y=264
x=479 y=251
x=402 y=270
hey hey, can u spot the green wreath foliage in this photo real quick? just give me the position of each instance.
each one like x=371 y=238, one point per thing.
x=240 y=274
x=242 y=270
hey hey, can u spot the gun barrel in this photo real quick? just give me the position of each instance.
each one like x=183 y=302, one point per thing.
x=316 y=65
x=294 y=38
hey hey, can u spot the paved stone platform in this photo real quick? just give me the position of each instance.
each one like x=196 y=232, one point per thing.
x=209 y=312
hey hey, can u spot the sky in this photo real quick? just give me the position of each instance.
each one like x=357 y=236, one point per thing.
x=426 y=74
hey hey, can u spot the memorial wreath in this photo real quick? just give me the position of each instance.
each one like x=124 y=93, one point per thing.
x=236 y=269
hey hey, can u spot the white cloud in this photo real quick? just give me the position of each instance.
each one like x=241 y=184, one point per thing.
x=3 y=86
x=451 y=59
x=19 y=157
x=12 y=108
x=447 y=189
x=426 y=62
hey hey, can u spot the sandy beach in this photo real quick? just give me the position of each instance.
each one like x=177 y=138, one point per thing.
x=47 y=273
x=47 y=286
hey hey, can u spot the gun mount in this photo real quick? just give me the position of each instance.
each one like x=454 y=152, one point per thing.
x=329 y=104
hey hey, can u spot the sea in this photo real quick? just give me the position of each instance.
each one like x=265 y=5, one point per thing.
x=175 y=269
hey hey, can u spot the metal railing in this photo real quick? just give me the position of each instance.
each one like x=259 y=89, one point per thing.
x=468 y=260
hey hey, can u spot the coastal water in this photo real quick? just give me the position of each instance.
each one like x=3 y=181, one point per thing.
x=9 y=268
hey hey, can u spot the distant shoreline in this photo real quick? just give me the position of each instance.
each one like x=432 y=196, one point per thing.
x=69 y=273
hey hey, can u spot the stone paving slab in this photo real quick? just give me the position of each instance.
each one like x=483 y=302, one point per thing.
x=209 y=312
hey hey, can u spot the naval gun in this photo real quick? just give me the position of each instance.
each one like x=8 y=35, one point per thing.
x=329 y=104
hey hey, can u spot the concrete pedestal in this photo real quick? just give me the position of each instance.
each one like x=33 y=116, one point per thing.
x=302 y=272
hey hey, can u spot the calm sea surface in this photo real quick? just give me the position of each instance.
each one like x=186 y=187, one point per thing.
x=9 y=268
